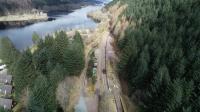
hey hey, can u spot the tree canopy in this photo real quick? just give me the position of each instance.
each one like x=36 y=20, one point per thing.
x=160 y=56
x=53 y=59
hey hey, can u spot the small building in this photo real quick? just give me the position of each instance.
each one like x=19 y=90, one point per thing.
x=4 y=77
x=5 y=90
x=6 y=103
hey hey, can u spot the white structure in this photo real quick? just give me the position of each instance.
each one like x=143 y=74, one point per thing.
x=5 y=78
x=6 y=103
x=2 y=67
x=5 y=90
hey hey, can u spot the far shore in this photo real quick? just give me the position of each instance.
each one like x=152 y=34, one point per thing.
x=20 y=20
x=24 y=17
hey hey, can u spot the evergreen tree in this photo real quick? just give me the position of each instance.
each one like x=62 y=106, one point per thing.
x=160 y=55
x=24 y=72
x=41 y=98
x=73 y=61
x=61 y=43
x=74 y=56
x=8 y=53
x=38 y=73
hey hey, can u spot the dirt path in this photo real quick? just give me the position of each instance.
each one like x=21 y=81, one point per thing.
x=114 y=85
x=107 y=80
x=106 y=72
x=107 y=84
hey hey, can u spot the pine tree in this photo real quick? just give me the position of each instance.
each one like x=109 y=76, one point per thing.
x=61 y=43
x=159 y=56
x=24 y=72
x=73 y=61
x=41 y=98
x=8 y=53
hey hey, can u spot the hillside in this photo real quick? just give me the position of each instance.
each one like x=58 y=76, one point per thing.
x=159 y=53
x=12 y=6
x=26 y=6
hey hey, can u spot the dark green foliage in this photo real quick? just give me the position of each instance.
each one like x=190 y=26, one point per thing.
x=78 y=40
x=90 y=64
x=54 y=59
x=24 y=72
x=74 y=56
x=8 y=53
x=73 y=60
x=161 y=56
x=40 y=60
x=57 y=74
x=39 y=72
x=90 y=68
x=42 y=96
x=4 y=110
x=61 y=43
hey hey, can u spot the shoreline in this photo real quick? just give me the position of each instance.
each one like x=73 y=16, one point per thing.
x=19 y=20
x=39 y=15
x=13 y=24
x=24 y=17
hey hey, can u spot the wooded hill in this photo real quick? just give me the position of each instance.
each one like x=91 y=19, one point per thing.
x=23 y=6
x=160 y=54
x=12 y=6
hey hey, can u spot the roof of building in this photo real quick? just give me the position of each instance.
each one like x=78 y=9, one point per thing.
x=2 y=66
x=6 y=103
x=5 y=78
x=5 y=90
x=4 y=71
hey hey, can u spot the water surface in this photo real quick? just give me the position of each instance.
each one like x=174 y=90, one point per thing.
x=22 y=36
